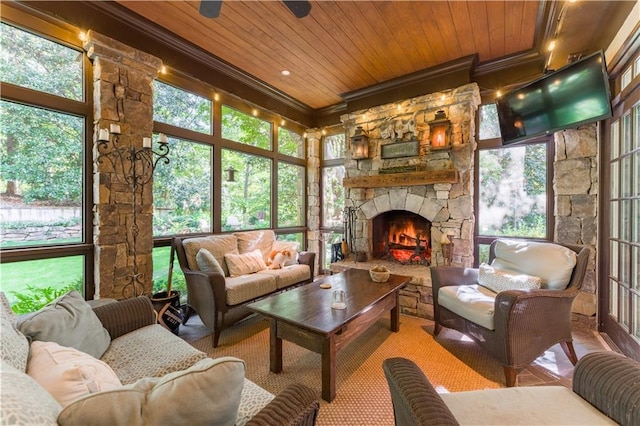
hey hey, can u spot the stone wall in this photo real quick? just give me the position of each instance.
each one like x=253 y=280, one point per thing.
x=576 y=204
x=122 y=94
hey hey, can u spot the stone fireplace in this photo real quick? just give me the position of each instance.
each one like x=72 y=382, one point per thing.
x=401 y=236
x=404 y=179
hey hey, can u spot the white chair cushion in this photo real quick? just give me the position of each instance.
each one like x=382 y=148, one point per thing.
x=245 y=263
x=217 y=245
x=289 y=275
x=533 y=405
x=253 y=399
x=252 y=240
x=499 y=280
x=248 y=287
x=473 y=302
x=553 y=263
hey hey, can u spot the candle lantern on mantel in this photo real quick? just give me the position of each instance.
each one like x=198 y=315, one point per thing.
x=439 y=131
x=359 y=144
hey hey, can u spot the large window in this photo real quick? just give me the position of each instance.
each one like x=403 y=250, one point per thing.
x=180 y=108
x=291 y=203
x=240 y=127
x=42 y=169
x=246 y=201
x=333 y=196
x=512 y=187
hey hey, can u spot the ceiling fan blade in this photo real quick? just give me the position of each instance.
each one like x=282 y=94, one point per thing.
x=300 y=8
x=210 y=8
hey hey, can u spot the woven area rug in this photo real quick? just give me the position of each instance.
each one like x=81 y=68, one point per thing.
x=450 y=362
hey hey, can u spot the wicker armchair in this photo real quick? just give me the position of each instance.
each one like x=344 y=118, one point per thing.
x=606 y=389
x=526 y=322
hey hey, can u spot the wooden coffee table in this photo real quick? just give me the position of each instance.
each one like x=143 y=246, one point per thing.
x=304 y=316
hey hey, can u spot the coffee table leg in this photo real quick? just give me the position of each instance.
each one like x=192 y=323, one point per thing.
x=328 y=369
x=395 y=315
x=275 y=348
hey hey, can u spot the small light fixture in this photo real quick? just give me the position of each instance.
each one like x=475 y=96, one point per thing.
x=231 y=174
x=285 y=73
x=439 y=131
x=359 y=145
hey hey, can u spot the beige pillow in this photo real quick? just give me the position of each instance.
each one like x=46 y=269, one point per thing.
x=498 y=280
x=68 y=374
x=68 y=321
x=218 y=246
x=23 y=401
x=247 y=263
x=208 y=393
x=551 y=262
x=207 y=262
x=261 y=239
x=14 y=346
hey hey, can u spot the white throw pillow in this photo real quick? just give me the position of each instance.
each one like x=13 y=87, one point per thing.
x=551 y=262
x=247 y=263
x=207 y=393
x=68 y=374
x=207 y=262
x=500 y=280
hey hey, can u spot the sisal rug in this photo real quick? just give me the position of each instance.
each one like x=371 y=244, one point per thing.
x=451 y=363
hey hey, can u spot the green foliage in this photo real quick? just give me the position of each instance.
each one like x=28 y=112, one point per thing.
x=240 y=127
x=290 y=143
x=34 y=298
x=181 y=108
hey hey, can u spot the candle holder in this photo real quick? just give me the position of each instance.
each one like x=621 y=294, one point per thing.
x=133 y=166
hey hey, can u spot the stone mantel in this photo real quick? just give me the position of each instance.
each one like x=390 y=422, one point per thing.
x=402 y=179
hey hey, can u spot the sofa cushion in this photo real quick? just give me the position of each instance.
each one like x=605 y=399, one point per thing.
x=248 y=287
x=218 y=246
x=23 y=401
x=289 y=275
x=473 y=302
x=245 y=263
x=208 y=393
x=68 y=374
x=253 y=399
x=135 y=355
x=208 y=262
x=522 y=406
x=68 y=321
x=251 y=240
x=498 y=280
x=14 y=346
x=293 y=246
x=553 y=263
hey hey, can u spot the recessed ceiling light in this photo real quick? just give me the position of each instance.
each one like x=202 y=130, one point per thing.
x=285 y=73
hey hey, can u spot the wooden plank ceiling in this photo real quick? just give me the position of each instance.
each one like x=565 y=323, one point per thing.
x=342 y=46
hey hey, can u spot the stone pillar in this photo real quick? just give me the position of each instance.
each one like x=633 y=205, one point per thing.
x=576 y=204
x=314 y=146
x=122 y=94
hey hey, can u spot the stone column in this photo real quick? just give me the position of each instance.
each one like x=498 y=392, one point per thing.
x=314 y=142
x=122 y=94
x=576 y=204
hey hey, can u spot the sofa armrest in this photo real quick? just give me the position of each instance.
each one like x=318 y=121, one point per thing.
x=126 y=315
x=308 y=258
x=415 y=401
x=611 y=383
x=295 y=405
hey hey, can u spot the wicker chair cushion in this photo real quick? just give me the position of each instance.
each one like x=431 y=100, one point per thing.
x=553 y=263
x=289 y=275
x=253 y=399
x=248 y=287
x=498 y=280
x=218 y=246
x=251 y=240
x=523 y=406
x=473 y=302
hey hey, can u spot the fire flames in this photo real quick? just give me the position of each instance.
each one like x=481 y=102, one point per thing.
x=406 y=244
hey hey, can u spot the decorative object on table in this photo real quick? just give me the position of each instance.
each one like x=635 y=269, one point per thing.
x=133 y=166
x=379 y=274
x=325 y=286
x=440 y=131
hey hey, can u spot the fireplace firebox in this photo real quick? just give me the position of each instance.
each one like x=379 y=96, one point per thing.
x=401 y=236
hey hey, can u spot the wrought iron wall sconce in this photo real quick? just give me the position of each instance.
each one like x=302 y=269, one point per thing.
x=359 y=144
x=440 y=131
x=133 y=166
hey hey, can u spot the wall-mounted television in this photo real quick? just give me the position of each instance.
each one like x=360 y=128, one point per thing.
x=574 y=95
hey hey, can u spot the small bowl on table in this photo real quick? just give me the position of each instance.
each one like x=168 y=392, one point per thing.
x=379 y=274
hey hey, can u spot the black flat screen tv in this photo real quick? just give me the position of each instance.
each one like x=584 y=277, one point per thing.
x=574 y=95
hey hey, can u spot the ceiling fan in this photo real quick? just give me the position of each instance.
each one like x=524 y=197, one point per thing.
x=211 y=8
